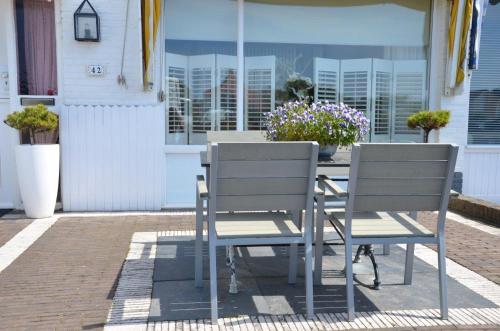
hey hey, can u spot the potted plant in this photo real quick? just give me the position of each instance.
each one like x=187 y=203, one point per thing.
x=37 y=161
x=329 y=124
x=429 y=120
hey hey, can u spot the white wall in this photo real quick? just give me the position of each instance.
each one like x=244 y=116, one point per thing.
x=482 y=172
x=77 y=86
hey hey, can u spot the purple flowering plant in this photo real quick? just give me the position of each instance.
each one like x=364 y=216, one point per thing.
x=324 y=122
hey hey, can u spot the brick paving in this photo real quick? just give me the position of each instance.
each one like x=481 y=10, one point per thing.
x=66 y=279
x=10 y=227
x=476 y=250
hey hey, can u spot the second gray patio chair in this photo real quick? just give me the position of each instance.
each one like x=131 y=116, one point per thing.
x=246 y=180
x=385 y=182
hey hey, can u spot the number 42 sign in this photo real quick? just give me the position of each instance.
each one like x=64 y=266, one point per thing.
x=95 y=70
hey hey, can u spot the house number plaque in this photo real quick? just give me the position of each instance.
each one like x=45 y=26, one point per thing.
x=95 y=70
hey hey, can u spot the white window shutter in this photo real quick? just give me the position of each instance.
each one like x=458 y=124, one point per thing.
x=381 y=106
x=355 y=84
x=227 y=66
x=176 y=98
x=326 y=79
x=202 y=97
x=260 y=87
x=409 y=95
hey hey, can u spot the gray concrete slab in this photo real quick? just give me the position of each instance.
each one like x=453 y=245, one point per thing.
x=262 y=280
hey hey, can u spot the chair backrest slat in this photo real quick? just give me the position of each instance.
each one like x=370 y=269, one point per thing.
x=262 y=176
x=401 y=177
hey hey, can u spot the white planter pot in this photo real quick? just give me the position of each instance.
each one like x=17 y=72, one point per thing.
x=38 y=177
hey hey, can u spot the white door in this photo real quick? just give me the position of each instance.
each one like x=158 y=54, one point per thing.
x=326 y=79
x=260 y=85
x=7 y=162
x=408 y=98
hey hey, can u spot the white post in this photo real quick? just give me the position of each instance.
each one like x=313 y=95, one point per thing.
x=241 y=68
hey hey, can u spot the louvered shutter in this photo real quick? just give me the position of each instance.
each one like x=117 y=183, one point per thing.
x=176 y=98
x=260 y=90
x=326 y=79
x=484 y=107
x=355 y=84
x=408 y=98
x=226 y=92
x=381 y=105
x=202 y=97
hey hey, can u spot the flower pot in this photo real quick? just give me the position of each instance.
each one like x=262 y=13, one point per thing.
x=326 y=152
x=38 y=177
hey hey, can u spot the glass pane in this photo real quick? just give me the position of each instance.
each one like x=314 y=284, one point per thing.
x=36 y=47
x=200 y=65
x=371 y=55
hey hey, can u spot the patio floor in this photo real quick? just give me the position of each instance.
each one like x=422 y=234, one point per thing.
x=116 y=271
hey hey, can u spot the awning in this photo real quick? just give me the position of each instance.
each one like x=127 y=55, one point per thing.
x=150 y=15
x=458 y=33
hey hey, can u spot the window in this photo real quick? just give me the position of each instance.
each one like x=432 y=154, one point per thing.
x=484 y=106
x=371 y=55
x=36 y=47
x=201 y=68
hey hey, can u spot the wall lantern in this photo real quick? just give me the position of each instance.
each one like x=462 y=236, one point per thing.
x=86 y=23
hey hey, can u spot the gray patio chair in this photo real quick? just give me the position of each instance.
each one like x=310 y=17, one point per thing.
x=385 y=182
x=246 y=179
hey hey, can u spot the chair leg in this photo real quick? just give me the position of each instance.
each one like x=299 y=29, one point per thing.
x=309 y=276
x=443 y=282
x=410 y=252
x=387 y=249
x=198 y=254
x=349 y=281
x=213 y=280
x=293 y=251
x=318 y=253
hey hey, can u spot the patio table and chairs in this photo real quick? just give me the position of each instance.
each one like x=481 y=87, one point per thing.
x=256 y=192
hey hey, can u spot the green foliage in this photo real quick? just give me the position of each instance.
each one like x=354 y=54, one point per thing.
x=429 y=120
x=33 y=120
x=326 y=123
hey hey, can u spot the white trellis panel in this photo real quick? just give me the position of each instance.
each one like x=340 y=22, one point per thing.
x=381 y=105
x=409 y=95
x=260 y=85
x=227 y=67
x=326 y=79
x=355 y=84
x=176 y=87
x=112 y=157
x=202 y=90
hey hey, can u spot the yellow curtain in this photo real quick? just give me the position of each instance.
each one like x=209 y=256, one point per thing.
x=460 y=22
x=462 y=53
x=150 y=14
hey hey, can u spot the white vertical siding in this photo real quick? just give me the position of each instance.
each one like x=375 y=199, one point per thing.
x=482 y=172
x=112 y=158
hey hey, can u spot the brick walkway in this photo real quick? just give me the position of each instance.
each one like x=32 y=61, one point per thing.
x=472 y=248
x=10 y=227
x=66 y=279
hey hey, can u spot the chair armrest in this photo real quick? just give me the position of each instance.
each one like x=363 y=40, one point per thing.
x=330 y=185
x=318 y=192
x=201 y=187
